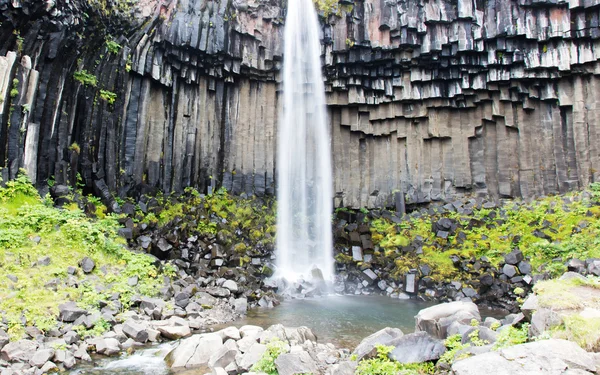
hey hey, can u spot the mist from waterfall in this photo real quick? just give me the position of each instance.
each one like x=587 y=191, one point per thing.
x=304 y=176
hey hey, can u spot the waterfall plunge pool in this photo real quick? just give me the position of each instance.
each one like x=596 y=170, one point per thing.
x=341 y=320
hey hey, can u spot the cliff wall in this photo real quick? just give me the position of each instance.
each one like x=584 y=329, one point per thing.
x=427 y=99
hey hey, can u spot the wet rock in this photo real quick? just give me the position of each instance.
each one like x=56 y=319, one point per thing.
x=366 y=348
x=416 y=347
x=295 y=363
x=69 y=312
x=87 y=264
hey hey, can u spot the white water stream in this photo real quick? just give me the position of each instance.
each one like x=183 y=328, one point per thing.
x=304 y=198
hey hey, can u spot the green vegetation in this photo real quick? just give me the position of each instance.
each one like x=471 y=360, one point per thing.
x=112 y=46
x=454 y=346
x=85 y=78
x=266 y=363
x=584 y=331
x=510 y=336
x=108 y=96
x=544 y=230
x=383 y=365
x=30 y=230
x=332 y=7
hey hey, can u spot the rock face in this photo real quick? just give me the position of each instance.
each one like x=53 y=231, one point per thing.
x=426 y=99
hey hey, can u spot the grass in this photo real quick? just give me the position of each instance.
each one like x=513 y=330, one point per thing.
x=30 y=229
x=584 y=331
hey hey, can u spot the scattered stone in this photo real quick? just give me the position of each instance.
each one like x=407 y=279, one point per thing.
x=107 y=346
x=175 y=332
x=218 y=292
x=231 y=285
x=44 y=261
x=252 y=356
x=135 y=330
x=87 y=264
x=21 y=351
x=69 y=312
x=514 y=257
x=194 y=351
x=509 y=270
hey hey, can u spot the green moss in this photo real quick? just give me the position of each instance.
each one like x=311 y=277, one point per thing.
x=510 y=336
x=85 y=78
x=30 y=230
x=584 y=331
x=108 y=96
x=558 y=294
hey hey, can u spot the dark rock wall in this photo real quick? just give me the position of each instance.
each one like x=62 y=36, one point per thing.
x=430 y=99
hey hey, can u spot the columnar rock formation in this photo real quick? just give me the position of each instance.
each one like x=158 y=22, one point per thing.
x=427 y=99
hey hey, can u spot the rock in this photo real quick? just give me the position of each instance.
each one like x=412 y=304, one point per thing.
x=135 y=330
x=4 y=339
x=540 y=357
x=219 y=371
x=175 y=332
x=19 y=351
x=573 y=275
x=41 y=356
x=230 y=333
x=357 y=254
x=514 y=257
x=530 y=305
x=483 y=333
x=344 y=368
x=542 y=320
x=144 y=242
x=509 y=270
x=194 y=351
x=107 y=346
x=87 y=264
x=240 y=305
x=65 y=357
x=252 y=356
x=49 y=367
x=231 y=285
x=524 y=268
x=295 y=363
x=44 y=261
x=366 y=348
x=249 y=330
x=218 y=292
x=416 y=347
x=436 y=319
x=222 y=357
x=300 y=334
x=69 y=312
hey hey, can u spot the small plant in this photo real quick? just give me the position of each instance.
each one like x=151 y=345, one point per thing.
x=266 y=363
x=512 y=336
x=85 y=78
x=108 y=96
x=75 y=148
x=453 y=345
x=112 y=46
x=383 y=365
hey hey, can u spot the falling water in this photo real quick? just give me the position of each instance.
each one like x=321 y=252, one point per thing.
x=304 y=240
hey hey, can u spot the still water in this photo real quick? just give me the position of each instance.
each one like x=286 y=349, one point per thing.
x=341 y=320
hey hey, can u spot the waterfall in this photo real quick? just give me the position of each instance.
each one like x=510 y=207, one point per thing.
x=304 y=197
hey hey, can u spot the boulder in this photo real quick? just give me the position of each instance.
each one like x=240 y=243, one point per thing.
x=69 y=312
x=252 y=356
x=295 y=363
x=87 y=264
x=174 y=332
x=240 y=305
x=230 y=333
x=383 y=337
x=344 y=368
x=4 y=339
x=530 y=305
x=514 y=257
x=300 y=334
x=19 y=351
x=49 y=367
x=540 y=357
x=107 y=346
x=135 y=330
x=435 y=320
x=542 y=320
x=194 y=351
x=416 y=347
x=218 y=292
x=41 y=357
x=231 y=285
x=223 y=357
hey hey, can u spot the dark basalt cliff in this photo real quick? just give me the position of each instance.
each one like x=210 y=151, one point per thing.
x=429 y=99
